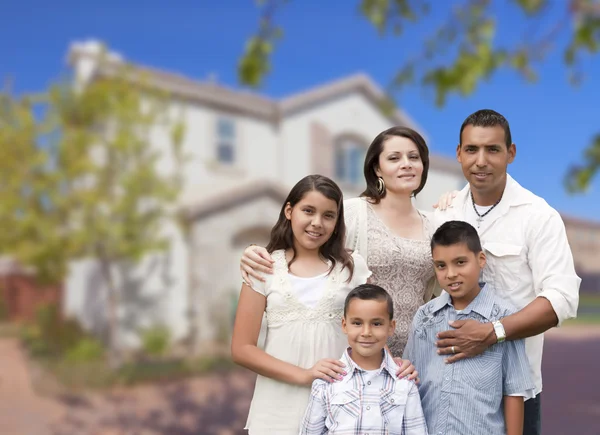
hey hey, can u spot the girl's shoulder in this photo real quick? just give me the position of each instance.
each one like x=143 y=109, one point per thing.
x=280 y=263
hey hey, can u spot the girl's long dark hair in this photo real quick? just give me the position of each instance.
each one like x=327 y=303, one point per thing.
x=334 y=249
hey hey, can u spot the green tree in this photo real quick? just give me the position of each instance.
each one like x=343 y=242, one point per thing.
x=83 y=179
x=462 y=51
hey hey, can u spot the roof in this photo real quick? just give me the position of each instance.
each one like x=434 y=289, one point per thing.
x=579 y=223
x=235 y=197
x=241 y=101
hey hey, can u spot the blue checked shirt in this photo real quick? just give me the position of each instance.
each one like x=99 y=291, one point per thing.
x=365 y=403
x=466 y=397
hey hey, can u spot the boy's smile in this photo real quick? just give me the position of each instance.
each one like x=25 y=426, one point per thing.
x=457 y=269
x=368 y=326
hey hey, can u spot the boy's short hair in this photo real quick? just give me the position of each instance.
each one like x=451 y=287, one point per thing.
x=370 y=292
x=456 y=232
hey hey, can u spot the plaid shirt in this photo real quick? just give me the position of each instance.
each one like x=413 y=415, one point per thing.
x=365 y=403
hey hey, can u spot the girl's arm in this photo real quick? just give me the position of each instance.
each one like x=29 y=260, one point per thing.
x=245 y=352
x=514 y=411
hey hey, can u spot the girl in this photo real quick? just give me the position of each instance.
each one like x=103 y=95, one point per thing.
x=386 y=229
x=303 y=300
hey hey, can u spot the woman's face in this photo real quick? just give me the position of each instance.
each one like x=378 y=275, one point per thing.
x=400 y=165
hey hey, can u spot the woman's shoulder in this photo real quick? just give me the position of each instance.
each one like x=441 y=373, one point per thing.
x=430 y=221
x=352 y=206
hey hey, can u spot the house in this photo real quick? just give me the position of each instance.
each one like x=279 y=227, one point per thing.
x=246 y=151
x=584 y=239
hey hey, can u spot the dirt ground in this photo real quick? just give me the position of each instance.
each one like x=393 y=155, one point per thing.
x=218 y=405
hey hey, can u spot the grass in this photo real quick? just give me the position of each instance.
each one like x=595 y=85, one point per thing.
x=589 y=300
x=584 y=319
x=98 y=374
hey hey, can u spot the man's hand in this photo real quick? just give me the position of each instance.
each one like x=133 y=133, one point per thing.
x=405 y=368
x=468 y=339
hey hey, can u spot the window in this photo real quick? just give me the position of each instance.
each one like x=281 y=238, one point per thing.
x=349 y=161
x=225 y=140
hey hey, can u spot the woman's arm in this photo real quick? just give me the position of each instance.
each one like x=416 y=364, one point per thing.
x=514 y=412
x=245 y=352
x=255 y=260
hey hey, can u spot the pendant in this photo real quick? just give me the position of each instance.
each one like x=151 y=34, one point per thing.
x=478 y=221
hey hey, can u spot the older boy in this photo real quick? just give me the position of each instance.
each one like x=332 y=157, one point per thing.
x=474 y=396
x=370 y=399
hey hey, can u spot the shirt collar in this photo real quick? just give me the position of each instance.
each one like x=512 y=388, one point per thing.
x=513 y=194
x=387 y=364
x=483 y=304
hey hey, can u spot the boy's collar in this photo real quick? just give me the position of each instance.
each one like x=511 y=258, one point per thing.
x=387 y=364
x=483 y=303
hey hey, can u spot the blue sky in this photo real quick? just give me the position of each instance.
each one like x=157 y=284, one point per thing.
x=551 y=121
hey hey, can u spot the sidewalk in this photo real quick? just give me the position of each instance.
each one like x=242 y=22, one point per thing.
x=22 y=412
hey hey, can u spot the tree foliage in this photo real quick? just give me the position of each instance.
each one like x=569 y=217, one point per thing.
x=88 y=171
x=463 y=51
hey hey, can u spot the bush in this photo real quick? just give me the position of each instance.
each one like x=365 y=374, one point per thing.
x=49 y=336
x=156 y=341
x=3 y=308
x=86 y=350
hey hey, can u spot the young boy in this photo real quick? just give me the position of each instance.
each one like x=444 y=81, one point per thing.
x=480 y=395
x=370 y=399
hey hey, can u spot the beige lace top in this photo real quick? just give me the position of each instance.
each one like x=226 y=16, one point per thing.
x=401 y=266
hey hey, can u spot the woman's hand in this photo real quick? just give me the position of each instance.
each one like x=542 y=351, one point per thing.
x=445 y=200
x=255 y=259
x=329 y=370
x=406 y=369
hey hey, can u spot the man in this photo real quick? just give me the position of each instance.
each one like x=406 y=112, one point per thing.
x=529 y=259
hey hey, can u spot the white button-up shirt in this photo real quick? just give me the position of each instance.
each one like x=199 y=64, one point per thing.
x=365 y=403
x=528 y=255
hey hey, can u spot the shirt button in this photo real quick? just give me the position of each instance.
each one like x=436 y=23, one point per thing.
x=369 y=383
x=447 y=378
x=392 y=400
x=368 y=408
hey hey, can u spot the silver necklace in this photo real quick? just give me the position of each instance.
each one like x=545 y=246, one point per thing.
x=481 y=216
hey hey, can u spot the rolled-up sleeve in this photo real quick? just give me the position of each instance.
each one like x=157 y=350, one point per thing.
x=315 y=416
x=551 y=263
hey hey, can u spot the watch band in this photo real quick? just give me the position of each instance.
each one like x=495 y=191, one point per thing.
x=499 y=330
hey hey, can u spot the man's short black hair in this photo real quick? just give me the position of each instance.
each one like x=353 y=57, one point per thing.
x=455 y=232
x=370 y=292
x=487 y=118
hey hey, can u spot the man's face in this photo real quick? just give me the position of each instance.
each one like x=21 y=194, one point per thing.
x=484 y=157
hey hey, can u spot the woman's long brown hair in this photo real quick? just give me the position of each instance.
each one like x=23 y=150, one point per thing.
x=334 y=249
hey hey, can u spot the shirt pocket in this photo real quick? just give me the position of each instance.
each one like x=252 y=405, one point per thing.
x=392 y=410
x=345 y=406
x=484 y=372
x=504 y=265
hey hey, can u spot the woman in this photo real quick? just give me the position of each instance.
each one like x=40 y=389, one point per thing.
x=384 y=227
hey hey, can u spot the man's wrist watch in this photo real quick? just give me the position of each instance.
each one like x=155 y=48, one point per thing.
x=499 y=330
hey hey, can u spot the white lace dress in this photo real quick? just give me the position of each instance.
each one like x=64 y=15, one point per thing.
x=299 y=335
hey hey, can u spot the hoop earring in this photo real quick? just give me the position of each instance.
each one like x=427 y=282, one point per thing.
x=380 y=186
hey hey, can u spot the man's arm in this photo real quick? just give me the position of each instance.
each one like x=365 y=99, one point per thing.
x=315 y=416
x=514 y=412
